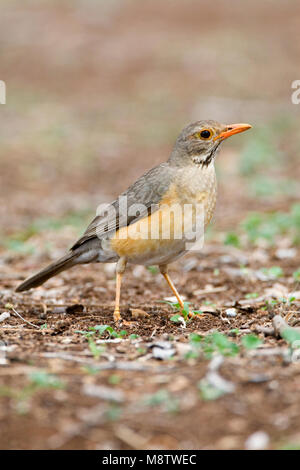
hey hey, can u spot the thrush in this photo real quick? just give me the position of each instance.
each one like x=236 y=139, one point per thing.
x=142 y=226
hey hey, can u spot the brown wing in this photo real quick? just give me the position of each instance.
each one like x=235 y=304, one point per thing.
x=148 y=190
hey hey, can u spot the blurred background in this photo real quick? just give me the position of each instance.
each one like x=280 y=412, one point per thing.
x=98 y=90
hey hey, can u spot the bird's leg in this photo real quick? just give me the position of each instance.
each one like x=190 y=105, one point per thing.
x=164 y=272
x=120 y=268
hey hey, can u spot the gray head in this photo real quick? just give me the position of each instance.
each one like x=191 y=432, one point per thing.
x=198 y=142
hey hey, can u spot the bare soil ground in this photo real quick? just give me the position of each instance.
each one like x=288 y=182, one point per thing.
x=94 y=102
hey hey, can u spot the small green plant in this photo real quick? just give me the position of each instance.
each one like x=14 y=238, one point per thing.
x=92 y=370
x=114 y=412
x=292 y=336
x=114 y=379
x=290 y=446
x=177 y=318
x=208 y=392
x=141 y=351
x=275 y=272
x=251 y=295
x=95 y=350
x=232 y=238
x=42 y=379
x=162 y=398
x=296 y=275
x=37 y=380
x=19 y=246
x=153 y=269
x=184 y=315
x=268 y=226
x=209 y=345
x=101 y=330
x=18 y=241
x=251 y=341
x=266 y=187
x=234 y=331
x=133 y=336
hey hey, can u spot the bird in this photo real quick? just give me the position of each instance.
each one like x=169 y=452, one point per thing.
x=141 y=226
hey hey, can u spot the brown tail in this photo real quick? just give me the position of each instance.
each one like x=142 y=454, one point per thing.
x=55 y=268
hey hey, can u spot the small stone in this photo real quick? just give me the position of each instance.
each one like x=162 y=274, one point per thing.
x=4 y=316
x=66 y=340
x=162 y=350
x=257 y=441
x=283 y=253
x=103 y=393
x=231 y=312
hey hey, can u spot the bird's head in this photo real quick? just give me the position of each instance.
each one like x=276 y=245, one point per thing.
x=198 y=142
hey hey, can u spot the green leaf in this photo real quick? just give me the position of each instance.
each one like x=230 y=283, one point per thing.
x=251 y=295
x=292 y=336
x=296 y=275
x=251 y=341
x=232 y=239
x=198 y=312
x=133 y=336
x=177 y=318
x=153 y=269
x=195 y=338
x=102 y=329
x=45 y=380
x=114 y=379
x=95 y=350
x=274 y=272
x=208 y=392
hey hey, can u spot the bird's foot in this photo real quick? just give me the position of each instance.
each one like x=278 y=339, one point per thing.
x=117 y=315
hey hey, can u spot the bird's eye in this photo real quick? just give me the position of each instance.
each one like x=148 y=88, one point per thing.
x=205 y=134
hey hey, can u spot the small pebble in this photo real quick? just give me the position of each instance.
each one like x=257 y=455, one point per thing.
x=257 y=441
x=162 y=350
x=231 y=312
x=283 y=253
x=4 y=316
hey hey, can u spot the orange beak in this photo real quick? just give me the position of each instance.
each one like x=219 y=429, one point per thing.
x=232 y=129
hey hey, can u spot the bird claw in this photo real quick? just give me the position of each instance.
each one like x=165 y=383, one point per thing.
x=117 y=316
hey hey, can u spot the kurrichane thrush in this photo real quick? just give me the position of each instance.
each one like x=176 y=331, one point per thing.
x=152 y=221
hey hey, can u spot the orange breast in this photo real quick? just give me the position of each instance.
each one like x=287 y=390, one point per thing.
x=160 y=231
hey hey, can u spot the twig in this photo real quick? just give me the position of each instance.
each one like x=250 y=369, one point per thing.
x=124 y=365
x=11 y=307
x=103 y=392
x=269 y=352
x=266 y=330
